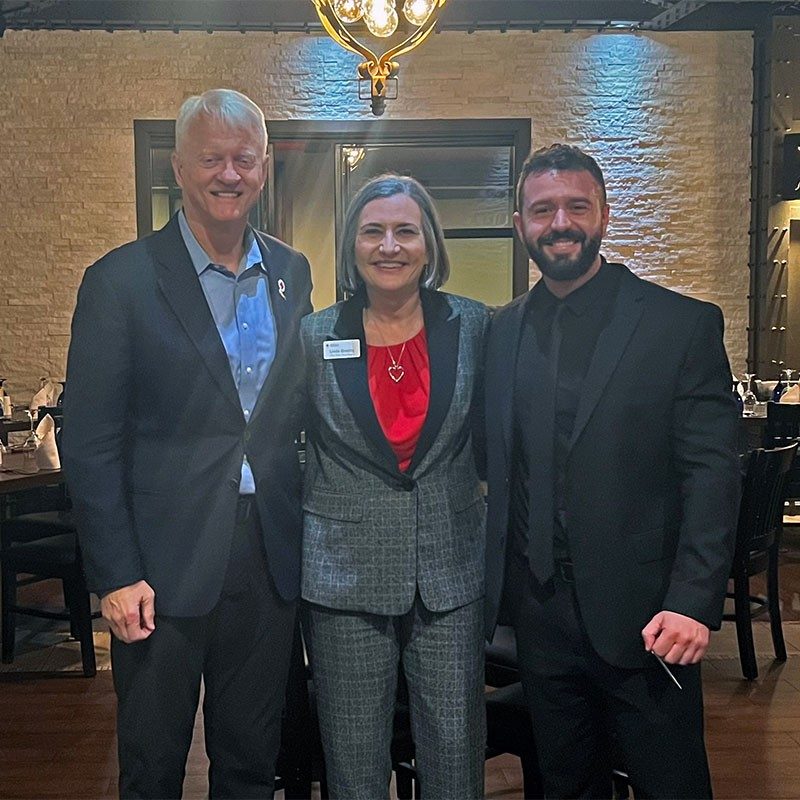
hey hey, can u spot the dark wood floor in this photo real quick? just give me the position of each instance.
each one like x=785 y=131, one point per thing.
x=57 y=733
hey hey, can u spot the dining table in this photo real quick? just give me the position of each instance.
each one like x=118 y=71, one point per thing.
x=14 y=476
x=751 y=429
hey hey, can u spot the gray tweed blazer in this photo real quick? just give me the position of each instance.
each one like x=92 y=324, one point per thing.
x=372 y=535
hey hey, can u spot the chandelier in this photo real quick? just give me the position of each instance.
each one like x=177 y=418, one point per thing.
x=381 y=19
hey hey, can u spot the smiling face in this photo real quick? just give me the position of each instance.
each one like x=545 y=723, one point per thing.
x=390 y=246
x=221 y=170
x=562 y=223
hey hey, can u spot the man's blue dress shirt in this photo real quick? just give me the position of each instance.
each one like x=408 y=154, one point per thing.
x=240 y=305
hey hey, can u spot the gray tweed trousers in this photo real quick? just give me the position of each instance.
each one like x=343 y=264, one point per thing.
x=355 y=658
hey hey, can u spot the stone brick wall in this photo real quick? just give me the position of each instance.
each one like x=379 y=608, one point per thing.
x=667 y=116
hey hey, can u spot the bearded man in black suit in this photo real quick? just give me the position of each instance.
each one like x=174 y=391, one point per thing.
x=613 y=496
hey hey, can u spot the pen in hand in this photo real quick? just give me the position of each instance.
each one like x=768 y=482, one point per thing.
x=667 y=669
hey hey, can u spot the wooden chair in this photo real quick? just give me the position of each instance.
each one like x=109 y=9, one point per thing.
x=757 y=546
x=783 y=423
x=783 y=427
x=38 y=541
x=32 y=545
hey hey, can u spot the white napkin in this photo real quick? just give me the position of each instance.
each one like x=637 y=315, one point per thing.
x=44 y=397
x=46 y=450
x=792 y=395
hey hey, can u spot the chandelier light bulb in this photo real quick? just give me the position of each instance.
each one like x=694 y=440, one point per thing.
x=418 y=11
x=381 y=18
x=349 y=11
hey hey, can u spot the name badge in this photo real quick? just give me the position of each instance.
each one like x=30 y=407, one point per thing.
x=341 y=348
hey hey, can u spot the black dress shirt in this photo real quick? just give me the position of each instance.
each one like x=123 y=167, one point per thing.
x=587 y=311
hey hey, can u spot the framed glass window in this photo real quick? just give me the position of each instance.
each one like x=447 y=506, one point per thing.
x=468 y=166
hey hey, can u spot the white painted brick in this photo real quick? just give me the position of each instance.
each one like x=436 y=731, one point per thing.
x=667 y=115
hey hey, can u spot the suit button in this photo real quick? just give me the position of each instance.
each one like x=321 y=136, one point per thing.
x=247 y=437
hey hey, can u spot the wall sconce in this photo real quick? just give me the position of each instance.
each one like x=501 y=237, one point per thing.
x=380 y=19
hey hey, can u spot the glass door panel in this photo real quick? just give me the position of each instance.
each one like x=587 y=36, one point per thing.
x=472 y=186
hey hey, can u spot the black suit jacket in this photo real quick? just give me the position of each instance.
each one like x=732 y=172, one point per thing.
x=154 y=432
x=652 y=479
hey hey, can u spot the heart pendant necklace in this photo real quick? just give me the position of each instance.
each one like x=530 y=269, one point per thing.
x=396 y=369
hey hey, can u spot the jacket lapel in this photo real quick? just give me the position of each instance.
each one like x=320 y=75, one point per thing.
x=351 y=376
x=442 y=328
x=181 y=288
x=276 y=270
x=501 y=366
x=611 y=344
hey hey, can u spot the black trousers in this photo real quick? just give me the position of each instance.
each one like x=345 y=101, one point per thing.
x=241 y=651
x=589 y=716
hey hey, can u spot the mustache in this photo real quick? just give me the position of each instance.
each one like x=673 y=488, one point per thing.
x=566 y=236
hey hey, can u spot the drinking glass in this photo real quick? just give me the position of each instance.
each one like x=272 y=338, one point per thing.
x=29 y=448
x=749 y=399
x=787 y=380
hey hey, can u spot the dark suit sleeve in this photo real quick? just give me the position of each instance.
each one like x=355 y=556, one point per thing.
x=478 y=410
x=300 y=398
x=99 y=387
x=705 y=423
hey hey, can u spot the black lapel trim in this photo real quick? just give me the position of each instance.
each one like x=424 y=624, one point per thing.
x=351 y=375
x=180 y=286
x=442 y=330
x=611 y=344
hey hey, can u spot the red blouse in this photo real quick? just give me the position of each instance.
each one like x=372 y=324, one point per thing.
x=401 y=407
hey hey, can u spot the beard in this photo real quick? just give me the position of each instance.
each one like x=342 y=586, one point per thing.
x=565 y=268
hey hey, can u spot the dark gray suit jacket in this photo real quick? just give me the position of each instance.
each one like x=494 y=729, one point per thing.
x=652 y=476
x=374 y=535
x=154 y=433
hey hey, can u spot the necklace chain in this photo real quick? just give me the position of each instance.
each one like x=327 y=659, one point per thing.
x=395 y=370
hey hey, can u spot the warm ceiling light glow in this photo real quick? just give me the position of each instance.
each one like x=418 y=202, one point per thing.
x=418 y=11
x=353 y=155
x=381 y=18
x=349 y=11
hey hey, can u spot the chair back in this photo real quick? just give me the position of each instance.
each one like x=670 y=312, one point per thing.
x=761 y=511
x=783 y=428
x=783 y=422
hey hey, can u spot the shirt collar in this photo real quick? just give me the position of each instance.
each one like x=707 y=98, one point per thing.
x=590 y=295
x=200 y=259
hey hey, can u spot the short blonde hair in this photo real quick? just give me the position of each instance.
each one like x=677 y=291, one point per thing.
x=228 y=106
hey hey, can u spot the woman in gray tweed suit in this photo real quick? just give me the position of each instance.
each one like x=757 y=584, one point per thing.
x=393 y=545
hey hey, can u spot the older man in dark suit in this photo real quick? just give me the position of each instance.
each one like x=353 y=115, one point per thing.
x=613 y=495
x=179 y=452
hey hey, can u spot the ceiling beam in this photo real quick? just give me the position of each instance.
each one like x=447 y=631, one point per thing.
x=674 y=12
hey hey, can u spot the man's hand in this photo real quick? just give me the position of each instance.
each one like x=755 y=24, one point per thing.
x=130 y=611
x=676 y=638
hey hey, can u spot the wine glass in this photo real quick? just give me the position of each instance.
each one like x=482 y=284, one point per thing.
x=29 y=448
x=736 y=388
x=749 y=398
x=787 y=380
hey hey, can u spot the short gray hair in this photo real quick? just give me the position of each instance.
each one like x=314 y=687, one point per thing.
x=230 y=107
x=436 y=271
